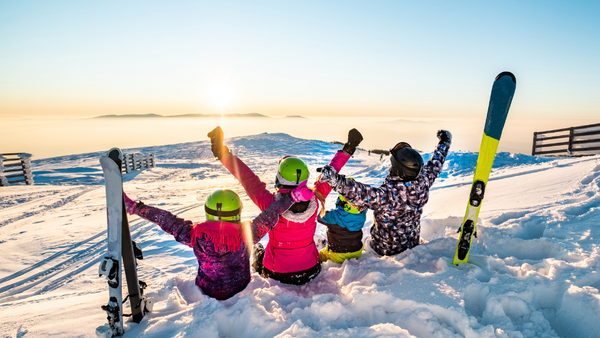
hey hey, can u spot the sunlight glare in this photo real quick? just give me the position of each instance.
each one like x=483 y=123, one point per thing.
x=221 y=95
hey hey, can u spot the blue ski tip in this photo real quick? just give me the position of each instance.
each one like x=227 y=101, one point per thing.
x=512 y=76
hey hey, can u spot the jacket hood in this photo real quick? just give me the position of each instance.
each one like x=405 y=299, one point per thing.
x=352 y=222
x=302 y=216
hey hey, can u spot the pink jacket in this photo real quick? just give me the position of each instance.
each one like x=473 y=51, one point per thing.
x=291 y=247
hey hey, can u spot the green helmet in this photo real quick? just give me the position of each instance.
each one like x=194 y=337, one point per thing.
x=292 y=171
x=223 y=205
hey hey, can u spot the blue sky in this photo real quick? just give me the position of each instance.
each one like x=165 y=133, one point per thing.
x=358 y=58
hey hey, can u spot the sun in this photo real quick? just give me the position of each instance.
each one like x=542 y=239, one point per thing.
x=221 y=94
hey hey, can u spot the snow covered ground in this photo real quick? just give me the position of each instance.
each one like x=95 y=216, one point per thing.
x=532 y=271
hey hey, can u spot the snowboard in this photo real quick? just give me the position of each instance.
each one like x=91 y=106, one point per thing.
x=110 y=266
x=503 y=91
x=121 y=249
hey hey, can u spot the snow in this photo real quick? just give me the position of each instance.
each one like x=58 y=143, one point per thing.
x=532 y=271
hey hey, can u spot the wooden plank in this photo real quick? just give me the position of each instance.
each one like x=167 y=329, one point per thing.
x=587 y=126
x=596 y=140
x=552 y=145
x=552 y=137
x=11 y=176
x=20 y=165
x=551 y=152
x=568 y=129
x=18 y=181
x=595 y=132
x=554 y=131
x=13 y=170
x=585 y=149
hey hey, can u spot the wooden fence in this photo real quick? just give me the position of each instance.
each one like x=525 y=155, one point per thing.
x=573 y=141
x=137 y=161
x=15 y=168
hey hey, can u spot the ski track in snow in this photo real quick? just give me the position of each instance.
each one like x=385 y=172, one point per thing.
x=41 y=209
x=532 y=271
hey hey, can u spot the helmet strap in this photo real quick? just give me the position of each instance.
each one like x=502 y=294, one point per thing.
x=220 y=213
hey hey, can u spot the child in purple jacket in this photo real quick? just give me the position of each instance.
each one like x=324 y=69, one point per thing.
x=221 y=243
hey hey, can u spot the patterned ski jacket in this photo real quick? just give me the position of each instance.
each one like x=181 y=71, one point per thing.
x=221 y=248
x=397 y=206
x=291 y=247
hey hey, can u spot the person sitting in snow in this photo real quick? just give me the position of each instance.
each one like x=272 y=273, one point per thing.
x=291 y=255
x=223 y=242
x=344 y=231
x=398 y=203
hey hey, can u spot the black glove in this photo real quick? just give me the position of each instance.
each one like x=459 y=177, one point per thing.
x=216 y=143
x=444 y=136
x=354 y=139
x=330 y=175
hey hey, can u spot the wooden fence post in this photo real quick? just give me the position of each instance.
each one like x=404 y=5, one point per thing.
x=534 y=143
x=26 y=163
x=571 y=136
x=574 y=141
x=138 y=161
x=126 y=163
x=21 y=169
x=3 y=180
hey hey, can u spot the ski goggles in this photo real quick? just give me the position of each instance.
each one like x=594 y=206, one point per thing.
x=348 y=207
x=398 y=147
x=220 y=213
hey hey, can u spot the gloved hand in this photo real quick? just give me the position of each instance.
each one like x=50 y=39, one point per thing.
x=216 y=143
x=354 y=139
x=130 y=204
x=444 y=136
x=335 y=180
x=302 y=193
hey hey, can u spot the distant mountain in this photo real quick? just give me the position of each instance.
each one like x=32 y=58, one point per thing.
x=252 y=115
x=128 y=116
x=410 y=121
x=294 y=117
x=217 y=115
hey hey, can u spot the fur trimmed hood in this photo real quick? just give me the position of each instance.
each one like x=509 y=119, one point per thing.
x=303 y=216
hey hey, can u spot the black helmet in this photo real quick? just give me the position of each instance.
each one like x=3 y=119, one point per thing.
x=406 y=162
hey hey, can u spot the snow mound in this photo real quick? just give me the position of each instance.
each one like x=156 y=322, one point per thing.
x=532 y=271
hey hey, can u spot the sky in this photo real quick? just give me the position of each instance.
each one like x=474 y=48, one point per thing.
x=310 y=58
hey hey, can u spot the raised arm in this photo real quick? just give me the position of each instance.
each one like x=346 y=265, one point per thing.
x=434 y=166
x=255 y=188
x=338 y=161
x=361 y=195
x=178 y=227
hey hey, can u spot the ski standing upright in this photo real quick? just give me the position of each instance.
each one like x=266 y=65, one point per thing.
x=503 y=90
x=120 y=249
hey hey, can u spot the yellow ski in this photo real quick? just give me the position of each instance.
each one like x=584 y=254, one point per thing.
x=502 y=94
